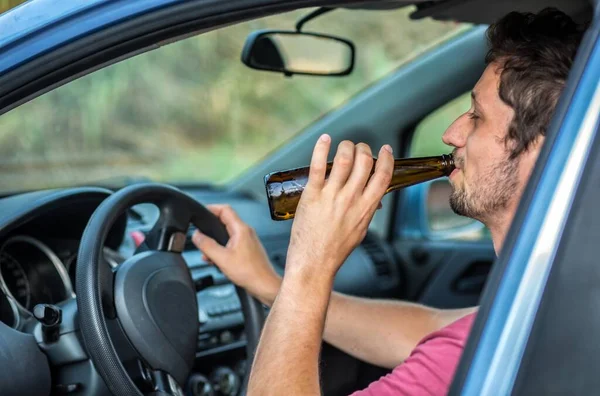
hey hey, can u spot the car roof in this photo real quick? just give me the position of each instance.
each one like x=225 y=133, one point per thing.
x=35 y=15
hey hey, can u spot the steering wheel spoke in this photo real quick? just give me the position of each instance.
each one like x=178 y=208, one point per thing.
x=170 y=230
x=106 y=277
x=164 y=384
x=140 y=374
x=152 y=382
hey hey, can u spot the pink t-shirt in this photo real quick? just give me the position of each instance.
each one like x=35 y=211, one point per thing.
x=430 y=367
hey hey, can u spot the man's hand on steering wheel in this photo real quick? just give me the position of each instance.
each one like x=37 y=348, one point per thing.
x=243 y=259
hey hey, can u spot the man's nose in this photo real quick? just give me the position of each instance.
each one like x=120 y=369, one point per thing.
x=456 y=134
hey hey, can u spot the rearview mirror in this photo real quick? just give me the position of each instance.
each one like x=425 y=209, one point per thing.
x=292 y=53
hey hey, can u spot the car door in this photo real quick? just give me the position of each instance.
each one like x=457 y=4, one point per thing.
x=445 y=258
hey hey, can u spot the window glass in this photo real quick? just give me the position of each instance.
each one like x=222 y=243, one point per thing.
x=191 y=111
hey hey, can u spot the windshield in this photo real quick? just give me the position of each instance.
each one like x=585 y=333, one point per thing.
x=191 y=112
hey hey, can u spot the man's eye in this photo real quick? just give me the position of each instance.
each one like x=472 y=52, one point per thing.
x=473 y=116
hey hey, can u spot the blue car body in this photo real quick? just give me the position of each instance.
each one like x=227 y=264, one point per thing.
x=39 y=27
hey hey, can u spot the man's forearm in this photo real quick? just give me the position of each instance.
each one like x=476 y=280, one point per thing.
x=288 y=353
x=380 y=332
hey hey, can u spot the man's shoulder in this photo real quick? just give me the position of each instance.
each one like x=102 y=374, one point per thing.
x=430 y=367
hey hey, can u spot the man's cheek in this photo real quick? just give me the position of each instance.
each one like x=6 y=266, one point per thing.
x=460 y=175
x=462 y=179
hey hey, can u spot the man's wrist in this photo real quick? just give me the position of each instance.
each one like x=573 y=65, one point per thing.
x=269 y=291
x=312 y=276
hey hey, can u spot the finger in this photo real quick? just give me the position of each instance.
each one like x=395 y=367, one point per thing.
x=318 y=163
x=362 y=168
x=380 y=181
x=342 y=165
x=216 y=208
x=228 y=217
x=209 y=247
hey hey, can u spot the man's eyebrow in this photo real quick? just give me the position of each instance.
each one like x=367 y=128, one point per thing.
x=474 y=98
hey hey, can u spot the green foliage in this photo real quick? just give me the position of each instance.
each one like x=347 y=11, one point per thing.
x=6 y=5
x=191 y=111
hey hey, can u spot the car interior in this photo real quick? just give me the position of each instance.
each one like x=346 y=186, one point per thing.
x=416 y=248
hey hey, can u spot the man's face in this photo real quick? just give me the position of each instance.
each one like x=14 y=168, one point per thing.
x=486 y=182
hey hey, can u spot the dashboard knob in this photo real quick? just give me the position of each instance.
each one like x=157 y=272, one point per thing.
x=225 y=381
x=199 y=385
x=226 y=337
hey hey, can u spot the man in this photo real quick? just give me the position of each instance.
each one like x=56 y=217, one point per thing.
x=496 y=145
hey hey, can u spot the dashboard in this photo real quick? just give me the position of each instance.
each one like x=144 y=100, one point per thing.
x=31 y=273
x=35 y=272
x=39 y=240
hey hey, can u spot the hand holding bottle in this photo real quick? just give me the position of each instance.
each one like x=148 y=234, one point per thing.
x=333 y=215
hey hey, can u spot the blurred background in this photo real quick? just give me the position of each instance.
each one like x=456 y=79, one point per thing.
x=190 y=111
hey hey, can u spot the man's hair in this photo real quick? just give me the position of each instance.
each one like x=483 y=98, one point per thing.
x=535 y=53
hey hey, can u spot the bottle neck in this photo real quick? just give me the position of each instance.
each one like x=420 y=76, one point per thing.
x=448 y=160
x=448 y=163
x=443 y=164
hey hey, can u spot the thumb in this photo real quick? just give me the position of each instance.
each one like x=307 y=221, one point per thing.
x=211 y=248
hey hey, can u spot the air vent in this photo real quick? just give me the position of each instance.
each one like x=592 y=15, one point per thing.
x=378 y=254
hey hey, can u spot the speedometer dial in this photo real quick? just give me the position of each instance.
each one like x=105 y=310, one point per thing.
x=15 y=279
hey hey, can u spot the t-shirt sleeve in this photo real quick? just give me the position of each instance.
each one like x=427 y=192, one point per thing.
x=429 y=369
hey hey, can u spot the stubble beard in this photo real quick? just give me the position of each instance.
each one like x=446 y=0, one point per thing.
x=489 y=194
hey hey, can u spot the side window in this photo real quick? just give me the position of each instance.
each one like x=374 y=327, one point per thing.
x=427 y=140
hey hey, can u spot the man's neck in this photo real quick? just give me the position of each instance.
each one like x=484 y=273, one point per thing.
x=499 y=228
x=500 y=223
x=498 y=236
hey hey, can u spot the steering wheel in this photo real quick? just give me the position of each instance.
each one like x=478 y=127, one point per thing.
x=139 y=321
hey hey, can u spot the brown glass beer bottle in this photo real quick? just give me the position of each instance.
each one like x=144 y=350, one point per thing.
x=285 y=187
